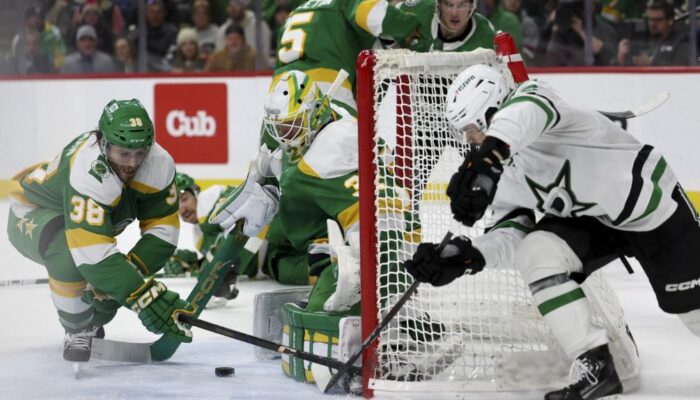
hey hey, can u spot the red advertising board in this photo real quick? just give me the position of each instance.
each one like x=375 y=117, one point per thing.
x=191 y=121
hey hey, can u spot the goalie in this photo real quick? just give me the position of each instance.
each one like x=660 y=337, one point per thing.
x=603 y=194
x=316 y=165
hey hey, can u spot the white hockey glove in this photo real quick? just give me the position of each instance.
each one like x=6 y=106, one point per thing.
x=347 y=289
x=255 y=204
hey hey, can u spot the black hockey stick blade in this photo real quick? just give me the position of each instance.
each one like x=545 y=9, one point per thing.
x=267 y=344
x=382 y=324
x=652 y=105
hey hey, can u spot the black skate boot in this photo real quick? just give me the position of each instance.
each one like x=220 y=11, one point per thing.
x=77 y=346
x=596 y=376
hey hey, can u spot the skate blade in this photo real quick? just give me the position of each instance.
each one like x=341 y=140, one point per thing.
x=76 y=370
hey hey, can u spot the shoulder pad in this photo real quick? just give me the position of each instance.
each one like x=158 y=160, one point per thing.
x=333 y=152
x=90 y=174
x=156 y=172
x=207 y=199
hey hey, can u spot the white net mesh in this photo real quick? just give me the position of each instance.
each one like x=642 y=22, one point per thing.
x=481 y=332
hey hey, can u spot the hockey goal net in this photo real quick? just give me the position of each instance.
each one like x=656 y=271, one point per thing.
x=480 y=333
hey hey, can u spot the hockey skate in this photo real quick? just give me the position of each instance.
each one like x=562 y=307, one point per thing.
x=596 y=377
x=227 y=291
x=77 y=346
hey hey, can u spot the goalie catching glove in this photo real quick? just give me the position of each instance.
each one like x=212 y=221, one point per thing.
x=457 y=258
x=473 y=186
x=158 y=309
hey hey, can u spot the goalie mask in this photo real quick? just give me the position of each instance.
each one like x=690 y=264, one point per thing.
x=295 y=111
x=474 y=95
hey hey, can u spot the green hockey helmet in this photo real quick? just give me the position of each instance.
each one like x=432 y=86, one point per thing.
x=126 y=123
x=185 y=182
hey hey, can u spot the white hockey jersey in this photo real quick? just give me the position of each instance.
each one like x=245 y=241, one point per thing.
x=571 y=161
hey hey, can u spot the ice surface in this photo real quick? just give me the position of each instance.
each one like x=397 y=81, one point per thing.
x=31 y=365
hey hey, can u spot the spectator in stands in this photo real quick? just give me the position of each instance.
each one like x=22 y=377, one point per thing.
x=206 y=30
x=61 y=14
x=568 y=36
x=90 y=14
x=50 y=39
x=88 y=60
x=187 y=57
x=661 y=45
x=530 y=29
x=238 y=55
x=161 y=36
x=246 y=19
x=124 y=56
x=503 y=20
x=33 y=61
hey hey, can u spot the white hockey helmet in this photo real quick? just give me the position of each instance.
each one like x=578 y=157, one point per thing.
x=473 y=92
x=293 y=110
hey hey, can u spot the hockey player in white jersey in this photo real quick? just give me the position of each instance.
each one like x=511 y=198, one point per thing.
x=602 y=194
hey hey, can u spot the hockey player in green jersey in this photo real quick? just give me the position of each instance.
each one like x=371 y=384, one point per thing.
x=449 y=25
x=69 y=210
x=321 y=37
x=316 y=166
x=603 y=195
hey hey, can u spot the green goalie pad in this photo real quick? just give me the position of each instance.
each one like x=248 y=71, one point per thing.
x=313 y=332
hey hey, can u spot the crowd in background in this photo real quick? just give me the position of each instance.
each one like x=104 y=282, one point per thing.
x=100 y=36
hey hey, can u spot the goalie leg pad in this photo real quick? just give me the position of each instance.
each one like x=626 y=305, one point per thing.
x=267 y=316
x=314 y=332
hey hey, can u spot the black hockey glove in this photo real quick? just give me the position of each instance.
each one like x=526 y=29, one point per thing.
x=459 y=257
x=473 y=186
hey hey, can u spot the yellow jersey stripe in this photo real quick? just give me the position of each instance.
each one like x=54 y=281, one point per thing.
x=143 y=188
x=171 y=220
x=67 y=289
x=79 y=237
x=349 y=216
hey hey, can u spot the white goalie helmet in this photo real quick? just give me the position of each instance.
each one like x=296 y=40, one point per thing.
x=295 y=110
x=473 y=92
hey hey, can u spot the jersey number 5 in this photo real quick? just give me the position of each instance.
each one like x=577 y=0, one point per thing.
x=293 y=38
x=88 y=210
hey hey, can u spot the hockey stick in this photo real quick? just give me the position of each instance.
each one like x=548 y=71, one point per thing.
x=652 y=105
x=23 y=282
x=267 y=344
x=382 y=324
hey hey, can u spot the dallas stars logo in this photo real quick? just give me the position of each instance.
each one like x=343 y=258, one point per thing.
x=558 y=198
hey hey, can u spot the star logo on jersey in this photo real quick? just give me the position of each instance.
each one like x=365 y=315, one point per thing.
x=557 y=198
x=29 y=228
x=20 y=224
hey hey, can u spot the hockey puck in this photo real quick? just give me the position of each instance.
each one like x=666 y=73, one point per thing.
x=224 y=371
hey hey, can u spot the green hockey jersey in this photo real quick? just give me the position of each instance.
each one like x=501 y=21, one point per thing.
x=480 y=32
x=97 y=206
x=323 y=36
